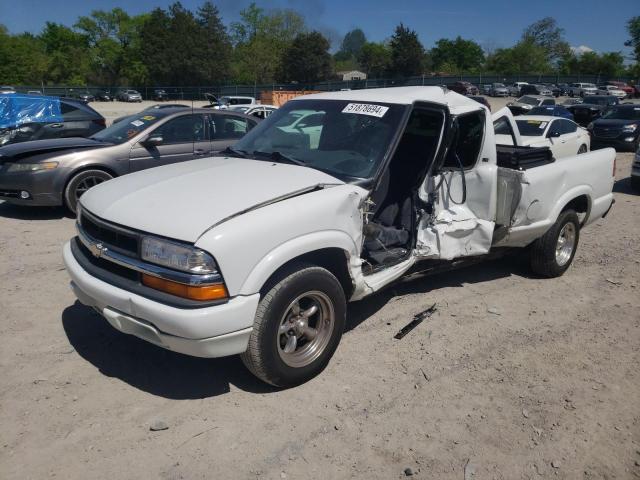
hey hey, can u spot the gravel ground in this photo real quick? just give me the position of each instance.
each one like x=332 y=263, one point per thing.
x=513 y=377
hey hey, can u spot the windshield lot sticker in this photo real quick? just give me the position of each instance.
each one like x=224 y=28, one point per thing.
x=542 y=125
x=366 y=109
x=137 y=123
x=148 y=117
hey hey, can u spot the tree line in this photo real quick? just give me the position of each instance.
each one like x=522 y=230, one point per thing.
x=179 y=47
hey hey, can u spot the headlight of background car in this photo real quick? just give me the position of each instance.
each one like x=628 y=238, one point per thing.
x=630 y=128
x=590 y=126
x=176 y=256
x=31 y=167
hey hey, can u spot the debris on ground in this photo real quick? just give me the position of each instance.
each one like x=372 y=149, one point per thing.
x=417 y=320
x=158 y=425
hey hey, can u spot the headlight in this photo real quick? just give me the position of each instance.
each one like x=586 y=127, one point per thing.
x=179 y=257
x=31 y=167
x=630 y=128
x=590 y=126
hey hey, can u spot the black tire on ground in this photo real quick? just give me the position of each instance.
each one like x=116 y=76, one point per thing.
x=545 y=260
x=582 y=149
x=265 y=355
x=80 y=183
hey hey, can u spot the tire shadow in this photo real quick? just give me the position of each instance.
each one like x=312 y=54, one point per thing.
x=149 y=368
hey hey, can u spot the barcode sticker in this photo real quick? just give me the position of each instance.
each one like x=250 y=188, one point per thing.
x=366 y=109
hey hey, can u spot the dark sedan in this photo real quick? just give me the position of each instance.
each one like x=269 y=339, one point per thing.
x=58 y=172
x=552 y=111
x=619 y=127
x=160 y=95
x=463 y=88
x=591 y=108
x=30 y=117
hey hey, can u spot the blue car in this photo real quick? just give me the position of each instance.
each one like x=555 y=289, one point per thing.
x=551 y=110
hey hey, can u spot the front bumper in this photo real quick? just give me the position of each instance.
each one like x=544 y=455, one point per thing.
x=619 y=142
x=215 y=331
x=40 y=186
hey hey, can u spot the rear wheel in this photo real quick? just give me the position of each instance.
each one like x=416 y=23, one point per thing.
x=80 y=183
x=552 y=254
x=298 y=326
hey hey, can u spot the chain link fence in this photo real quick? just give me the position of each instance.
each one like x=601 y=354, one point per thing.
x=198 y=92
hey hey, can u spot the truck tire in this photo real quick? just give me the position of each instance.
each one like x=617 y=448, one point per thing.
x=297 y=328
x=80 y=183
x=552 y=254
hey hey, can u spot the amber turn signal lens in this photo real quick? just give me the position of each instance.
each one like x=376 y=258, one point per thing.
x=205 y=292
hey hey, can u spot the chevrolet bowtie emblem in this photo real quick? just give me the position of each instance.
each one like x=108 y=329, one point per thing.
x=97 y=249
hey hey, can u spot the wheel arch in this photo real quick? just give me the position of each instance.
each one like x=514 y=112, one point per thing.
x=83 y=168
x=579 y=204
x=331 y=250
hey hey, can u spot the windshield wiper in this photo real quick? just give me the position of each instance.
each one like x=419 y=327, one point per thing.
x=237 y=153
x=279 y=157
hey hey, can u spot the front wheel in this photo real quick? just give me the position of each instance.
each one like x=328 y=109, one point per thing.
x=552 y=254
x=582 y=149
x=80 y=183
x=297 y=328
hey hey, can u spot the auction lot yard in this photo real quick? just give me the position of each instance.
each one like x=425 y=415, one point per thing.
x=513 y=377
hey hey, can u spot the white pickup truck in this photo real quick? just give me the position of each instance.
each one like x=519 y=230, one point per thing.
x=257 y=252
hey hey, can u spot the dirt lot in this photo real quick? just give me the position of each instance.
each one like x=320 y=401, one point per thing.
x=514 y=377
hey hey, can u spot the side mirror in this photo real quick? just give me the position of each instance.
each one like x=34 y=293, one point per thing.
x=152 y=141
x=553 y=134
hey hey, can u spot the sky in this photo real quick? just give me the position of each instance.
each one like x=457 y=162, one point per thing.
x=493 y=24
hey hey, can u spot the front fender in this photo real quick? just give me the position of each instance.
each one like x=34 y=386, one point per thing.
x=293 y=249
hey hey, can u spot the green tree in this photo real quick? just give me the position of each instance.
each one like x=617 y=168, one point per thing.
x=67 y=53
x=307 y=60
x=523 y=58
x=115 y=48
x=260 y=39
x=172 y=47
x=22 y=59
x=633 y=28
x=375 y=59
x=352 y=44
x=457 y=55
x=216 y=47
x=407 y=53
x=546 y=34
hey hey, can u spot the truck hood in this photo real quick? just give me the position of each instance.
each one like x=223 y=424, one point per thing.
x=183 y=200
x=16 y=151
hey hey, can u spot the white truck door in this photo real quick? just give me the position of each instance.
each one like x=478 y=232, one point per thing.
x=461 y=192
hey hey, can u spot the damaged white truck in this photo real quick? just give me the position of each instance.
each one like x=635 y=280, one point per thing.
x=333 y=197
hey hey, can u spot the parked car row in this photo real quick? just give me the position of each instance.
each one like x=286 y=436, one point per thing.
x=59 y=171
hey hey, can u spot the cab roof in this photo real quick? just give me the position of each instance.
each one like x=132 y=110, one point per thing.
x=402 y=96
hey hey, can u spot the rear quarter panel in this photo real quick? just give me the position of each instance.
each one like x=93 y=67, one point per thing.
x=548 y=189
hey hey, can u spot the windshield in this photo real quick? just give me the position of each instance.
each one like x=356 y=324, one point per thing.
x=342 y=138
x=127 y=128
x=531 y=128
x=498 y=85
x=542 y=111
x=618 y=113
x=528 y=101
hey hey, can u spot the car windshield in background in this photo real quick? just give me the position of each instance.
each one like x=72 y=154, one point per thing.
x=531 y=128
x=528 y=100
x=342 y=138
x=542 y=111
x=127 y=128
x=622 y=113
x=499 y=85
x=602 y=101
